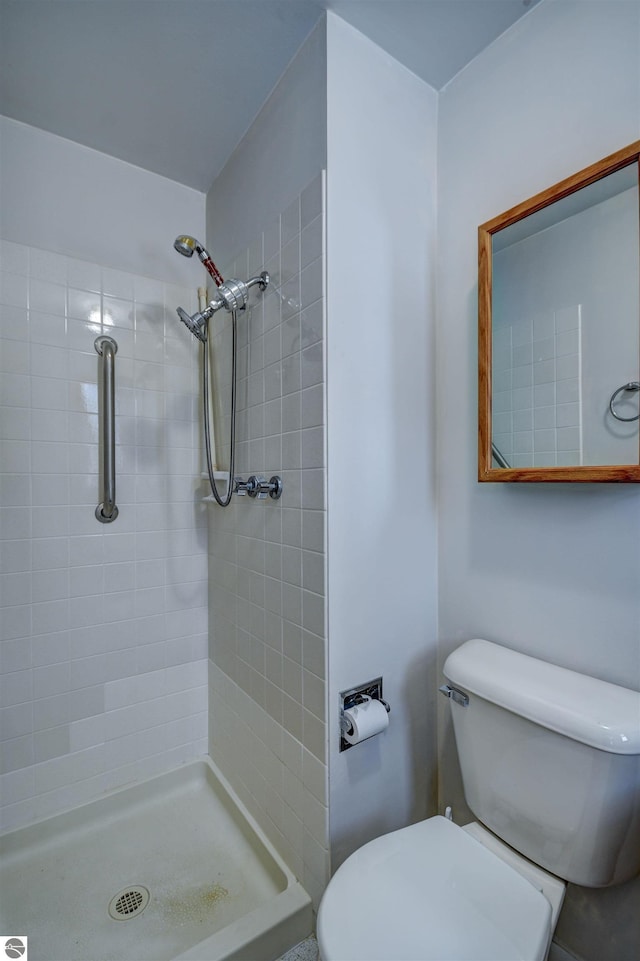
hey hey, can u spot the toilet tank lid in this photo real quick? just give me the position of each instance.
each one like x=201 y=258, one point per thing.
x=586 y=709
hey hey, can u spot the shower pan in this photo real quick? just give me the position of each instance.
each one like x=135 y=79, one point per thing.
x=172 y=868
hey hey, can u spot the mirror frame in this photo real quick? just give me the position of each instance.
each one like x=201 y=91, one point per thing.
x=620 y=473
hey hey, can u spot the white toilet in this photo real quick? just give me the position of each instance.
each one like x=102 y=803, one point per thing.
x=550 y=762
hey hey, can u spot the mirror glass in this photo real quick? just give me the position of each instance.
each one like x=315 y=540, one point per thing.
x=564 y=334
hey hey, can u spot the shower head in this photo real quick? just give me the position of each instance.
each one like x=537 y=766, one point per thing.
x=232 y=295
x=186 y=246
x=197 y=323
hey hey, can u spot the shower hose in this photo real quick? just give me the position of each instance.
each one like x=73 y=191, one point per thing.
x=206 y=364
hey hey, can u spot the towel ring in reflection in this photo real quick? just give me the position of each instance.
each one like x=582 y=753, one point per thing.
x=633 y=385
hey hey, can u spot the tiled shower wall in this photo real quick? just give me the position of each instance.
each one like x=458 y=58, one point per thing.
x=103 y=626
x=267 y=558
x=537 y=400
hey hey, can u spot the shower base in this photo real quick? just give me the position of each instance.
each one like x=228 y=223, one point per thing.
x=217 y=890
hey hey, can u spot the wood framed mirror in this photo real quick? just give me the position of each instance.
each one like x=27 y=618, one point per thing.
x=559 y=331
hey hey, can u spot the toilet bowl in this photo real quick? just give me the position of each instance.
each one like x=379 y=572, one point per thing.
x=435 y=892
x=550 y=763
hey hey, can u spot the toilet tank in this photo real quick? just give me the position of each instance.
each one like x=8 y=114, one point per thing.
x=550 y=761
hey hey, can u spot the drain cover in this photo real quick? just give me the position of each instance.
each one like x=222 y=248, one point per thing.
x=129 y=902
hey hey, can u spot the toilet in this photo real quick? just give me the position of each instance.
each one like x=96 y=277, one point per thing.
x=550 y=763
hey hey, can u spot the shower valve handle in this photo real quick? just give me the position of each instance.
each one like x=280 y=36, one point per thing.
x=257 y=486
x=241 y=488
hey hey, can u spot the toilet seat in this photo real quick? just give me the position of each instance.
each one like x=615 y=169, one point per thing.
x=431 y=892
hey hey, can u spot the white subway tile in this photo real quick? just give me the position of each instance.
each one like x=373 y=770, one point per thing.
x=84 y=275
x=567 y=342
x=14 y=323
x=16 y=493
x=13 y=289
x=14 y=257
x=50 y=585
x=568 y=366
x=50 y=648
x=117 y=283
x=568 y=415
x=16 y=460
x=86 y=611
x=311 y=280
x=16 y=753
x=568 y=458
x=48 y=297
x=15 y=390
x=15 y=589
x=48 y=361
x=48 y=266
x=50 y=616
x=15 y=423
x=16 y=721
x=85 y=305
x=14 y=357
x=148 y=291
x=17 y=786
x=15 y=556
x=311 y=240
x=47 y=328
x=290 y=222
x=82 y=366
x=15 y=525
x=54 y=742
x=86 y=702
x=87 y=732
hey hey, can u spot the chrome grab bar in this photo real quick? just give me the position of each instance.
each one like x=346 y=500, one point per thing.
x=499 y=457
x=106 y=347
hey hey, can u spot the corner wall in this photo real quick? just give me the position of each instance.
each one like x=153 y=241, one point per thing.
x=381 y=229
x=553 y=571
x=267 y=558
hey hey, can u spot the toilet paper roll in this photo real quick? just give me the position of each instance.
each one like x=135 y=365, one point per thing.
x=365 y=720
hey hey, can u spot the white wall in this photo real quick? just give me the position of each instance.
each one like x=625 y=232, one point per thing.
x=103 y=642
x=552 y=571
x=381 y=153
x=63 y=197
x=278 y=157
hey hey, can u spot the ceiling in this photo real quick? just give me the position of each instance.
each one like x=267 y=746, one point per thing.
x=173 y=85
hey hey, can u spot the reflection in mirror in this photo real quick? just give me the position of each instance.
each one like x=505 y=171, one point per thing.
x=564 y=334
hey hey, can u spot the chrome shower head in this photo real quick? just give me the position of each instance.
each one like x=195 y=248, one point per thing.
x=186 y=245
x=197 y=323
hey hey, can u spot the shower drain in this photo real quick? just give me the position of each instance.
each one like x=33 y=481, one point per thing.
x=129 y=902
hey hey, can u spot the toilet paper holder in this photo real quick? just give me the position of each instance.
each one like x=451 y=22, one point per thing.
x=358 y=695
